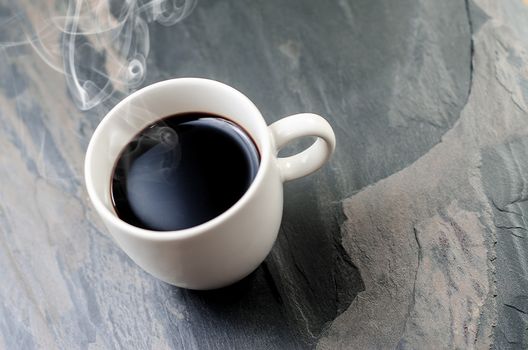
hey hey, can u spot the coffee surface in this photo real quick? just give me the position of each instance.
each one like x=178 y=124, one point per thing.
x=182 y=171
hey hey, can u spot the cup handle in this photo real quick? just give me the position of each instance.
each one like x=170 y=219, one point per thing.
x=312 y=158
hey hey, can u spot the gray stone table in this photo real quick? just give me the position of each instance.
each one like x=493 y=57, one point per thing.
x=414 y=236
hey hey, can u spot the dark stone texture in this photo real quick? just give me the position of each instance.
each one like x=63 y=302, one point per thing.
x=16 y=84
x=505 y=169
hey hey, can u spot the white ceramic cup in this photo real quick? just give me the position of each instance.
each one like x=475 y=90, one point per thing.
x=230 y=246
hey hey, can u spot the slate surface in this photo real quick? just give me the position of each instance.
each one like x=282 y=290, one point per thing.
x=413 y=236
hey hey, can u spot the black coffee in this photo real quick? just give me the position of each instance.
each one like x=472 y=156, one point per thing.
x=182 y=171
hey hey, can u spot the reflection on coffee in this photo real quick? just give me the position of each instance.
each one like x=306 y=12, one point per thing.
x=182 y=171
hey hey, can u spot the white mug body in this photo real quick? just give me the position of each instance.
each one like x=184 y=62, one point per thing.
x=230 y=246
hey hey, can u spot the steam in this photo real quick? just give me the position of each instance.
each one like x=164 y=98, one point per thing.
x=100 y=46
x=151 y=157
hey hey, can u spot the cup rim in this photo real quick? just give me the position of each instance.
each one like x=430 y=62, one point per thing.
x=111 y=217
